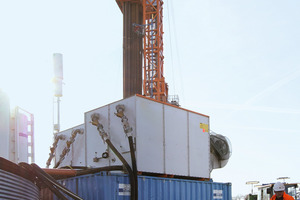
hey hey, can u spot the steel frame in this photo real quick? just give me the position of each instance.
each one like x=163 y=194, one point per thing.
x=154 y=85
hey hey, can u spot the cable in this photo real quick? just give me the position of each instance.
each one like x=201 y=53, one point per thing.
x=134 y=167
x=53 y=181
x=126 y=165
x=177 y=54
x=171 y=50
x=95 y=121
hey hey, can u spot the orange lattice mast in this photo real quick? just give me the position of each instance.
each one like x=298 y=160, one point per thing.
x=154 y=85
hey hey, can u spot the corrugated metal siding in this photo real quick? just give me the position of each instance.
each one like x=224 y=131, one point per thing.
x=152 y=188
x=113 y=187
x=97 y=186
x=16 y=187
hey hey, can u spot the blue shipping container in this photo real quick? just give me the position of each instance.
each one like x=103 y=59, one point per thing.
x=117 y=187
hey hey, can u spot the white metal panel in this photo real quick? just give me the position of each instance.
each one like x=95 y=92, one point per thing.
x=22 y=133
x=199 y=146
x=21 y=142
x=150 y=136
x=78 y=148
x=114 y=128
x=61 y=144
x=94 y=143
x=169 y=139
x=117 y=134
x=76 y=155
x=176 y=141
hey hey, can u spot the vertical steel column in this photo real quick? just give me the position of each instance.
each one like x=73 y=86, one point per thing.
x=132 y=48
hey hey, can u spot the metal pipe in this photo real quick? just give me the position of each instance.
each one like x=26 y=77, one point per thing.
x=132 y=49
x=95 y=170
x=73 y=172
x=58 y=114
x=60 y=172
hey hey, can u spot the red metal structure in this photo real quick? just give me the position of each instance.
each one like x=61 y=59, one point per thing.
x=143 y=22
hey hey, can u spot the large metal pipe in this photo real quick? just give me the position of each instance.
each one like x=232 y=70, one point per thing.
x=132 y=49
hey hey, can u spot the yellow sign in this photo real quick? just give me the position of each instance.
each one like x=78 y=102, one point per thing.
x=204 y=127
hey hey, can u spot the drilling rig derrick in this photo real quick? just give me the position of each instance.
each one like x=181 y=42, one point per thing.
x=143 y=49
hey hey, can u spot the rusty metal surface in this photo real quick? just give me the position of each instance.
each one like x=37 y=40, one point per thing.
x=65 y=172
x=16 y=183
x=46 y=194
x=132 y=49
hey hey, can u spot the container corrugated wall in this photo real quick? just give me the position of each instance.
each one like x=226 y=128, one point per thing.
x=116 y=187
x=15 y=187
x=180 y=189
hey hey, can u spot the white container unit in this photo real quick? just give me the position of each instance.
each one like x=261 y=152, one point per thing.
x=168 y=139
x=95 y=146
x=76 y=155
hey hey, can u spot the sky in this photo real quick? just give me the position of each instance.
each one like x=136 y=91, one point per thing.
x=235 y=61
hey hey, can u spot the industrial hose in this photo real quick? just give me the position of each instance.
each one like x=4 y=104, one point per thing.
x=134 y=167
x=128 y=131
x=127 y=167
x=50 y=182
x=56 y=184
x=29 y=168
x=13 y=168
x=95 y=121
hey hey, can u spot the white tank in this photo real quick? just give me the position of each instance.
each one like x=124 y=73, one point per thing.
x=22 y=138
x=4 y=125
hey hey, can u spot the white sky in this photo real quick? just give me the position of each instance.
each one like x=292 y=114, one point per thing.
x=236 y=61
